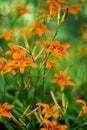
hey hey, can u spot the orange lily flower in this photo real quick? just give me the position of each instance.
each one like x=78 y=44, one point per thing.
x=22 y=62
x=56 y=2
x=62 y=80
x=7 y=35
x=25 y=31
x=53 y=6
x=40 y=28
x=58 y=50
x=84 y=107
x=4 y=110
x=19 y=58
x=22 y=10
x=73 y=9
x=42 y=43
x=52 y=63
x=52 y=125
x=49 y=112
x=7 y=66
x=15 y=51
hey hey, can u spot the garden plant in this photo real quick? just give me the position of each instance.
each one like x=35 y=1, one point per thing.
x=43 y=64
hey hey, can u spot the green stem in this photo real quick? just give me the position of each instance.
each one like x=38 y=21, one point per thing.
x=43 y=88
x=36 y=89
x=4 y=92
x=56 y=32
x=23 y=93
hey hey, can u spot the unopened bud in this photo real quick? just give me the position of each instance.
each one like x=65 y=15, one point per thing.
x=64 y=16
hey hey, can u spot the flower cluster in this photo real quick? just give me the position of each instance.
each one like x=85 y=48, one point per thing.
x=49 y=112
x=19 y=60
